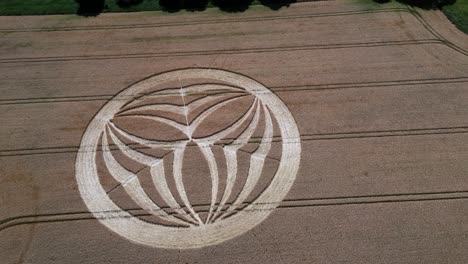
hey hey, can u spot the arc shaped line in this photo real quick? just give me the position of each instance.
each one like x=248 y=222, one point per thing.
x=177 y=170
x=181 y=127
x=257 y=160
x=133 y=187
x=176 y=109
x=201 y=88
x=150 y=143
x=195 y=104
x=131 y=153
x=222 y=134
x=196 y=88
x=184 y=128
x=197 y=121
x=157 y=174
x=213 y=166
x=230 y=153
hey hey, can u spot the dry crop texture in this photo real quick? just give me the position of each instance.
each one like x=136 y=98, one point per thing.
x=379 y=94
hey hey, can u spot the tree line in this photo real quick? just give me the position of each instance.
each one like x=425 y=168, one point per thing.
x=94 y=7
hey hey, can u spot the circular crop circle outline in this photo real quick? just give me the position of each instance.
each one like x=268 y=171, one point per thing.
x=141 y=232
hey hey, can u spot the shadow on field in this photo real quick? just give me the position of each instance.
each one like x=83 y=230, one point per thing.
x=95 y=7
x=277 y=4
x=128 y=3
x=230 y=6
x=172 y=6
x=425 y=4
x=90 y=7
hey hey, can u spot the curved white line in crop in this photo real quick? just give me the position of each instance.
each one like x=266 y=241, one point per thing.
x=192 y=231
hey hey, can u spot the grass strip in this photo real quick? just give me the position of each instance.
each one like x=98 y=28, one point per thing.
x=458 y=14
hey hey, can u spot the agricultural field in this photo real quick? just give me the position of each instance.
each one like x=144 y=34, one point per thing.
x=324 y=132
x=456 y=11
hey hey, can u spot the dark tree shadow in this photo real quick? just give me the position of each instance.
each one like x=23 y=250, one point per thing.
x=277 y=4
x=95 y=7
x=128 y=3
x=232 y=6
x=171 y=6
x=177 y=5
x=195 y=5
x=424 y=4
x=90 y=7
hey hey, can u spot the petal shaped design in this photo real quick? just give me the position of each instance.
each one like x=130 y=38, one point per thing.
x=157 y=174
x=133 y=187
x=230 y=153
x=257 y=160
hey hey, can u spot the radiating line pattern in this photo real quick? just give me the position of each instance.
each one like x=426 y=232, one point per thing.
x=230 y=213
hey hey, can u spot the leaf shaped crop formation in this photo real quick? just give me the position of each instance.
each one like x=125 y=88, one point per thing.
x=211 y=98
